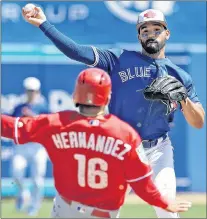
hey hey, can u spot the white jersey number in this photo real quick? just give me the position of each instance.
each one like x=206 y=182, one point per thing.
x=96 y=179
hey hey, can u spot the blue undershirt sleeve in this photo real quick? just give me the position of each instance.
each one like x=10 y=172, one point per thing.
x=89 y=55
x=73 y=50
x=192 y=93
x=188 y=83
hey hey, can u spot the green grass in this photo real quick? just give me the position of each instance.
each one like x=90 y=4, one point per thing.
x=128 y=211
x=145 y=211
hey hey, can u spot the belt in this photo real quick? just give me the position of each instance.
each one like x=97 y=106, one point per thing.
x=95 y=212
x=153 y=143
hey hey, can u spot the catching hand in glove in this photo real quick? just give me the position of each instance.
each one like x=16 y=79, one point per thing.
x=167 y=89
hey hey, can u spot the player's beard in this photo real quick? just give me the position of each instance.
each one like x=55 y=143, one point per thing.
x=152 y=46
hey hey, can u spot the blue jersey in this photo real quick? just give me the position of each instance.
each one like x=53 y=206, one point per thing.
x=36 y=109
x=131 y=72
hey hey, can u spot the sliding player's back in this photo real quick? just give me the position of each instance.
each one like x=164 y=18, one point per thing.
x=93 y=158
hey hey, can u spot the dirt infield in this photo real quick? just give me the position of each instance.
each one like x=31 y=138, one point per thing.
x=195 y=198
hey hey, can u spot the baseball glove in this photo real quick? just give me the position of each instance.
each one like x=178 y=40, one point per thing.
x=167 y=89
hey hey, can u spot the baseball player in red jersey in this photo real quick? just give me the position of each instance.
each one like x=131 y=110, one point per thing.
x=95 y=156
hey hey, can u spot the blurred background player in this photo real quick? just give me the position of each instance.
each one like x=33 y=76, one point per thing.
x=95 y=155
x=30 y=155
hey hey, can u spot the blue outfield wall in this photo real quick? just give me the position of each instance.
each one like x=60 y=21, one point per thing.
x=32 y=54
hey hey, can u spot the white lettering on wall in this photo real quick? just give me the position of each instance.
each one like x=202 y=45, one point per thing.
x=56 y=15
x=128 y=11
x=78 y=12
x=11 y=12
x=60 y=100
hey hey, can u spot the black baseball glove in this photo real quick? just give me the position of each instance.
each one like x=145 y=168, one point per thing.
x=167 y=89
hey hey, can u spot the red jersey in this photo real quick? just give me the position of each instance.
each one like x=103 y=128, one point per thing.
x=93 y=159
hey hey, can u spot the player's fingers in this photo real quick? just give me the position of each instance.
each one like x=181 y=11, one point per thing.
x=38 y=9
x=185 y=203
x=182 y=210
x=29 y=14
x=24 y=15
x=23 y=12
x=31 y=19
x=182 y=207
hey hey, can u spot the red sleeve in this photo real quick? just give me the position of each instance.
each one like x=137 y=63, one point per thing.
x=136 y=166
x=7 y=126
x=138 y=174
x=147 y=191
x=24 y=129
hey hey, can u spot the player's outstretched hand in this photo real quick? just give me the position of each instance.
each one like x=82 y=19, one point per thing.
x=179 y=206
x=34 y=16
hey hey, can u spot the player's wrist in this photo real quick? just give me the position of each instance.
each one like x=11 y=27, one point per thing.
x=45 y=25
x=184 y=102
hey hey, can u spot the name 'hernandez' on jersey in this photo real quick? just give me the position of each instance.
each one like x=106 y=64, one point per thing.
x=131 y=72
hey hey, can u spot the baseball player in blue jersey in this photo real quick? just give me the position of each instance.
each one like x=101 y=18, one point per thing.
x=34 y=156
x=147 y=88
